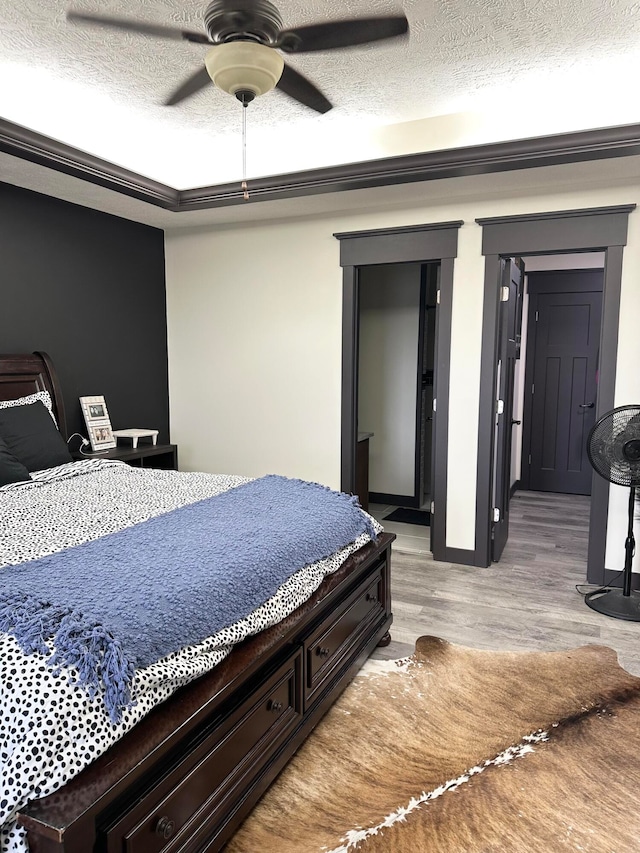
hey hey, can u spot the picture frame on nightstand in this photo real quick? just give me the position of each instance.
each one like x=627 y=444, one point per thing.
x=96 y=418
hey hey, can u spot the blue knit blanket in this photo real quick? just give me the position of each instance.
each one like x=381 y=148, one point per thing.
x=132 y=597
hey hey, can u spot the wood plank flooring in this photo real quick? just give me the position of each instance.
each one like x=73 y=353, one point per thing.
x=527 y=601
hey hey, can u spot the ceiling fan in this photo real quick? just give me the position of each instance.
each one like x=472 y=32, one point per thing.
x=245 y=37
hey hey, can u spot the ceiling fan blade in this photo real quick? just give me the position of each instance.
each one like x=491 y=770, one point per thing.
x=190 y=86
x=292 y=83
x=346 y=33
x=138 y=27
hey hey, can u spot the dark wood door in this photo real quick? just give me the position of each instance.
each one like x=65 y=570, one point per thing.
x=566 y=327
x=427 y=344
x=508 y=343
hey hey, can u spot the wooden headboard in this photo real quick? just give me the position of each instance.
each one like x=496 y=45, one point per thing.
x=25 y=373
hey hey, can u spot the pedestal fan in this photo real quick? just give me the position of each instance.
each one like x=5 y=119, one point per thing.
x=613 y=448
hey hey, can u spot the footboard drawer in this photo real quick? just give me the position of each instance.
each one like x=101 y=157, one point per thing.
x=206 y=782
x=334 y=640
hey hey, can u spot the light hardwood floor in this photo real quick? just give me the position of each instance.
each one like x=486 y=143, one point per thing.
x=527 y=601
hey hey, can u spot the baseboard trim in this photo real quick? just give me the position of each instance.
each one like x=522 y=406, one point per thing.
x=394 y=500
x=514 y=488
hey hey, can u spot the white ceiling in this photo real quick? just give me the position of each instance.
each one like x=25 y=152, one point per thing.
x=508 y=68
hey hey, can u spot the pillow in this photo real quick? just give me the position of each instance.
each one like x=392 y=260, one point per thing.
x=11 y=470
x=43 y=396
x=32 y=437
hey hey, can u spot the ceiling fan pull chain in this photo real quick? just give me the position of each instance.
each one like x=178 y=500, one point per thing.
x=245 y=191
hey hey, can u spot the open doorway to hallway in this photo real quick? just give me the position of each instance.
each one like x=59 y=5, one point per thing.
x=563 y=232
x=549 y=331
x=556 y=375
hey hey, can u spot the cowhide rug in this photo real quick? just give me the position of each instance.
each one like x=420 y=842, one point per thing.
x=456 y=750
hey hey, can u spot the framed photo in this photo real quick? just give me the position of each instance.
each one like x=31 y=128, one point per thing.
x=96 y=417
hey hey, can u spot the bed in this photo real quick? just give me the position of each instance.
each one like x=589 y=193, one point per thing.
x=183 y=773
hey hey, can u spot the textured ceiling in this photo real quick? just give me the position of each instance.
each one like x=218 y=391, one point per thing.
x=101 y=91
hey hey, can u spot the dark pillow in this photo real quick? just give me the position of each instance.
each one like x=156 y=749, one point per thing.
x=31 y=436
x=11 y=471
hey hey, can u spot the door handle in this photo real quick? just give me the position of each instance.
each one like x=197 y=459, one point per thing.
x=586 y=406
x=515 y=422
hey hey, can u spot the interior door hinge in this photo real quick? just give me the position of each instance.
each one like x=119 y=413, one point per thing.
x=434 y=404
x=533 y=388
x=496 y=513
x=433 y=507
x=499 y=406
x=437 y=297
x=529 y=459
x=536 y=316
x=504 y=296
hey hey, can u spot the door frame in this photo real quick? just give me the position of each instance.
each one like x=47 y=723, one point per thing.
x=407 y=244
x=538 y=278
x=426 y=270
x=560 y=232
x=506 y=355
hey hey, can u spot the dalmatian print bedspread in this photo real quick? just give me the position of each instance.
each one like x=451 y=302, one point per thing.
x=49 y=729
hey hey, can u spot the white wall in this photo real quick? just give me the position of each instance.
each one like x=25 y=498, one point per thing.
x=254 y=357
x=387 y=380
x=627 y=393
x=254 y=324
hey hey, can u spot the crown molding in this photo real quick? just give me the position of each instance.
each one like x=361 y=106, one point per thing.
x=580 y=146
x=397 y=230
x=28 y=145
x=557 y=214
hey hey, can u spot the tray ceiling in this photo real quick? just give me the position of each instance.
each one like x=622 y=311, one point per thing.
x=528 y=67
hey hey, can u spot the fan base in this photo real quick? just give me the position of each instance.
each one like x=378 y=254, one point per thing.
x=614 y=603
x=249 y=20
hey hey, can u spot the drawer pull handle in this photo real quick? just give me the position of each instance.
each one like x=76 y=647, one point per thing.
x=274 y=706
x=323 y=652
x=371 y=596
x=165 y=827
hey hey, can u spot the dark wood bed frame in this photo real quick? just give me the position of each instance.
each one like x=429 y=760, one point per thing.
x=187 y=775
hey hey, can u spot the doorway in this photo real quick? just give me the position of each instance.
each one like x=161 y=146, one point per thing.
x=415 y=244
x=598 y=229
x=548 y=345
x=397 y=315
x=396 y=375
x=561 y=377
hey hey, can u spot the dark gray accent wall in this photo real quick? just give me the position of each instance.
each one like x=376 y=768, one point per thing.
x=89 y=289
x=407 y=244
x=593 y=229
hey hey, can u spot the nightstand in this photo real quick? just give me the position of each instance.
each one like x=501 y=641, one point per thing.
x=143 y=456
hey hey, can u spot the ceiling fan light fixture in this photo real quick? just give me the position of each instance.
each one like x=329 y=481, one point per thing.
x=244 y=66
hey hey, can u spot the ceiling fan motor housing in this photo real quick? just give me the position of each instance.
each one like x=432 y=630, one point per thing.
x=242 y=61
x=248 y=20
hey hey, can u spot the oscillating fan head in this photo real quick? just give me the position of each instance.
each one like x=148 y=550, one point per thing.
x=613 y=446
